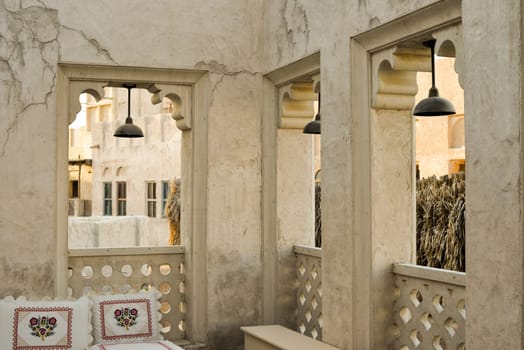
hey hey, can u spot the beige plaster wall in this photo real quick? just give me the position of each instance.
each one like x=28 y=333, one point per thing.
x=494 y=149
x=116 y=232
x=295 y=214
x=296 y=28
x=234 y=243
x=432 y=146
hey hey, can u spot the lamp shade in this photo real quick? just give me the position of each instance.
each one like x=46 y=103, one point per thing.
x=433 y=105
x=128 y=130
x=313 y=127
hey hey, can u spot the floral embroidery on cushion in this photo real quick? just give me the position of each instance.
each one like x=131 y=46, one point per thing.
x=126 y=317
x=42 y=326
x=116 y=325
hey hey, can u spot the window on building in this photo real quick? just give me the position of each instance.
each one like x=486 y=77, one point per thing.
x=73 y=189
x=165 y=194
x=121 y=198
x=108 y=199
x=151 y=199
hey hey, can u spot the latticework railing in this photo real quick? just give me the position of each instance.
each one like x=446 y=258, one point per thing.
x=123 y=270
x=309 y=291
x=430 y=311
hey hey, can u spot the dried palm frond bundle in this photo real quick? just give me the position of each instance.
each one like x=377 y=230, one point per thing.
x=440 y=222
x=172 y=211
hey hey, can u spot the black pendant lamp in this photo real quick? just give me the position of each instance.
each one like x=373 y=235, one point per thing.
x=313 y=127
x=129 y=130
x=433 y=105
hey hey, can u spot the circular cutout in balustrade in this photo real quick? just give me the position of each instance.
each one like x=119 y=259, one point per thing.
x=87 y=272
x=165 y=269
x=166 y=326
x=165 y=307
x=107 y=289
x=165 y=288
x=107 y=271
x=126 y=270
x=125 y=288
x=146 y=270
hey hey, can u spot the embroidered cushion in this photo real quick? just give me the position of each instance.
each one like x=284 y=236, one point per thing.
x=161 y=345
x=45 y=325
x=126 y=318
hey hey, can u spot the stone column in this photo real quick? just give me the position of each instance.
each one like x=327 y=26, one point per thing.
x=338 y=260
x=368 y=206
x=494 y=172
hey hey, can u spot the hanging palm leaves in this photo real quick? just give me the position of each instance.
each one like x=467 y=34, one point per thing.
x=441 y=223
x=318 y=217
x=172 y=211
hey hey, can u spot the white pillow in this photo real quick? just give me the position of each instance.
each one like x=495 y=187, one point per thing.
x=126 y=318
x=45 y=325
x=161 y=345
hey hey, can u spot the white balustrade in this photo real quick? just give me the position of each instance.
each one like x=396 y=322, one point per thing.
x=430 y=309
x=309 y=291
x=123 y=270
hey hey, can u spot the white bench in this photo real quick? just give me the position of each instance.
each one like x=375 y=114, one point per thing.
x=275 y=337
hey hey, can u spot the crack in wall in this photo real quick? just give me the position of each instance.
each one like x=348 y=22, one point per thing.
x=18 y=47
x=32 y=36
x=220 y=69
x=295 y=28
x=93 y=42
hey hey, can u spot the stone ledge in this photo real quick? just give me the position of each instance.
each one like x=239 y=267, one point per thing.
x=279 y=338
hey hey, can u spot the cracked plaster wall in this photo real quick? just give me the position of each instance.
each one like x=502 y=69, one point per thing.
x=223 y=37
x=297 y=28
x=235 y=40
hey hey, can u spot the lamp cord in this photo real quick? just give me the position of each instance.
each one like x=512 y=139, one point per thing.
x=433 y=65
x=129 y=102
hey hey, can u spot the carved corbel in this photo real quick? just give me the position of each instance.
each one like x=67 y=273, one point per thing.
x=394 y=89
x=76 y=88
x=296 y=104
x=181 y=98
x=394 y=79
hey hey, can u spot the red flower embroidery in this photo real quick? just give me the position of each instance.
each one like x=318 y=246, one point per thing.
x=126 y=317
x=42 y=326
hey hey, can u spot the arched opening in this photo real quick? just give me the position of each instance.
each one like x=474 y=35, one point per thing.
x=127 y=188
x=441 y=159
